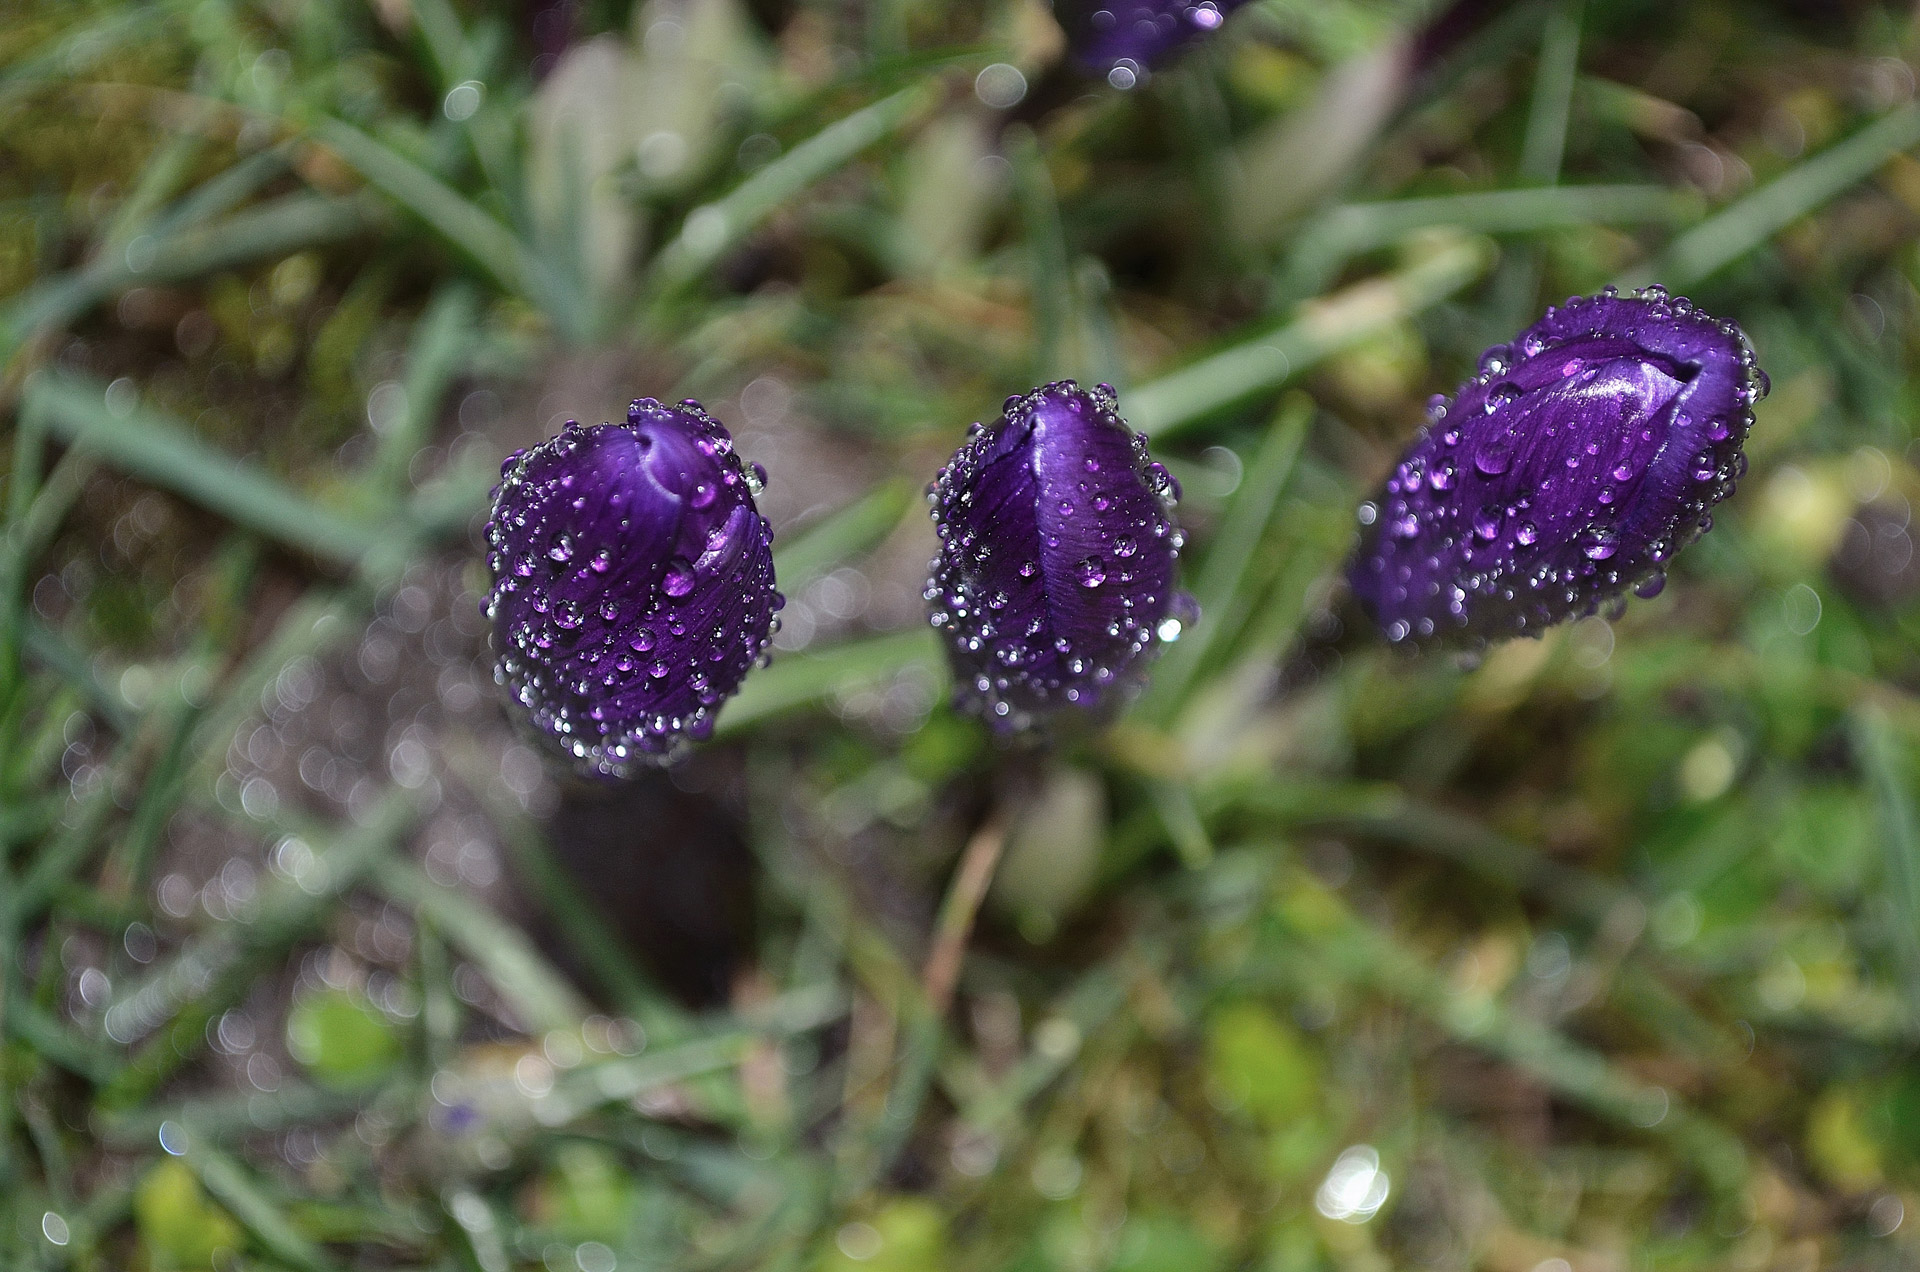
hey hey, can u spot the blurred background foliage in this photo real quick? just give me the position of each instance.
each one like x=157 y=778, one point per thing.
x=1601 y=952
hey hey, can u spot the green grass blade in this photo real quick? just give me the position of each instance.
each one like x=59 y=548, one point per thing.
x=440 y=343
x=803 y=679
x=1891 y=775
x=1743 y=226
x=156 y=448
x=235 y=1188
x=284 y=225
x=462 y=223
x=713 y=228
x=842 y=535
x=1259 y=364
x=1553 y=81
x=540 y=996
x=1320 y=251
x=1220 y=589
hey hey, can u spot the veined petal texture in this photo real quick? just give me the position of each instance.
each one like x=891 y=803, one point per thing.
x=1569 y=470
x=633 y=583
x=1055 y=576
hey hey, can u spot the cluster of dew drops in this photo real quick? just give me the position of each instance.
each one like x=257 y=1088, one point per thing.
x=593 y=671
x=1022 y=661
x=1494 y=547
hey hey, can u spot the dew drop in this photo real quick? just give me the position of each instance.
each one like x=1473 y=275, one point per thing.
x=679 y=578
x=1092 y=572
x=1495 y=455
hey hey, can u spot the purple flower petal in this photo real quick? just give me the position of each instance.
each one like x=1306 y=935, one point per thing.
x=1123 y=39
x=1571 y=469
x=633 y=583
x=1057 y=548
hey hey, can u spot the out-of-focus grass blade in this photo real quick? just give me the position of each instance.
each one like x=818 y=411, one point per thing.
x=711 y=229
x=842 y=535
x=491 y=245
x=275 y=228
x=1219 y=591
x=160 y=450
x=798 y=680
x=73 y=51
x=1553 y=81
x=215 y=969
x=1049 y=284
x=539 y=995
x=584 y=929
x=1386 y=813
x=1375 y=956
x=170 y=165
x=1739 y=228
x=29 y=1023
x=439 y=343
x=248 y=1202
x=1350 y=229
x=1891 y=776
x=228 y=1116
x=1265 y=362
x=54 y=651
x=38 y=508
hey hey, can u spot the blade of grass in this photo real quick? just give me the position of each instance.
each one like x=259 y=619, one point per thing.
x=440 y=342
x=1553 y=80
x=179 y=997
x=1180 y=399
x=842 y=535
x=1049 y=284
x=53 y=1041
x=1744 y=225
x=1220 y=589
x=803 y=679
x=235 y=1188
x=1345 y=231
x=713 y=228
x=492 y=246
x=540 y=996
x=1891 y=775
x=585 y=931
x=283 y=225
x=159 y=449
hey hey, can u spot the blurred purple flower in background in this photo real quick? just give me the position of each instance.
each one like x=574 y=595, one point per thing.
x=1054 y=579
x=1570 y=469
x=1124 y=39
x=633 y=583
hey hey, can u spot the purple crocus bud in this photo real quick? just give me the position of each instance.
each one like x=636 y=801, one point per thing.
x=1054 y=579
x=633 y=583
x=1570 y=470
x=1124 y=39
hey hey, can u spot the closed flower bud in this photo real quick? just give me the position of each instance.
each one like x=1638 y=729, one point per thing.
x=1123 y=39
x=1054 y=579
x=632 y=583
x=1568 y=471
